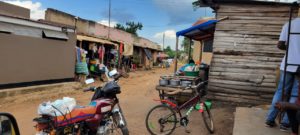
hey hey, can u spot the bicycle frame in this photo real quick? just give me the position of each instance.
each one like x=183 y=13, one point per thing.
x=188 y=103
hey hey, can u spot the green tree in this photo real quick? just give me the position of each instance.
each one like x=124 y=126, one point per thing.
x=170 y=52
x=186 y=45
x=131 y=27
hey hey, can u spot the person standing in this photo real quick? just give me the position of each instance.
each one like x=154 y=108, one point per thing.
x=291 y=83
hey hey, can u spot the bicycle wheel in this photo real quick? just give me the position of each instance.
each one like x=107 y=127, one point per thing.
x=207 y=118
x=161 y=120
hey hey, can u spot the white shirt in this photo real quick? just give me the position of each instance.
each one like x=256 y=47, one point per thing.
x=294 y=45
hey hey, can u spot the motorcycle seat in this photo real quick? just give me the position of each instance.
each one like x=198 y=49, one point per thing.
x=79 y=113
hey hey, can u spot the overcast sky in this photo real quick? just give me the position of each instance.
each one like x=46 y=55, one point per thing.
x=157 y=16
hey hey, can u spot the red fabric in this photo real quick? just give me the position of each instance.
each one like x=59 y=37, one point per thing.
x=121 y=48
x=101 y=52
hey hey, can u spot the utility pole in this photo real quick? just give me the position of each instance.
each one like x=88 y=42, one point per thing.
x=163 y=41
x=109 y=15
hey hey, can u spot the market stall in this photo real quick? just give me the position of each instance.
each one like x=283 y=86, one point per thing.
x=175 y=86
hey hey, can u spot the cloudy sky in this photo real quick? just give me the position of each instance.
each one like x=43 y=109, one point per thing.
x=157 y=16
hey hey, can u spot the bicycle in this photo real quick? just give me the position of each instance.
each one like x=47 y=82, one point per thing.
x=167 y=118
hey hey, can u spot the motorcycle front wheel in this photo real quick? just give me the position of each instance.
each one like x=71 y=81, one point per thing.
x=120 y=122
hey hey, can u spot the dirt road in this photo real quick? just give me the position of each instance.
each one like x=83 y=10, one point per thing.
x=138 y=92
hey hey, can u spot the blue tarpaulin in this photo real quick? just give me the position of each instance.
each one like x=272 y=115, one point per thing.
x=197 y=30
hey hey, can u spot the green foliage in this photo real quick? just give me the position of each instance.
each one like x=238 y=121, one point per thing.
x=170 y=52
x=131 y=27
x=186 y=45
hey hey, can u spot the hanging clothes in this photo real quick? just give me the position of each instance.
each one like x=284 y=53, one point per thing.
x=78 y=54
x=101 y=52
x=81 y=65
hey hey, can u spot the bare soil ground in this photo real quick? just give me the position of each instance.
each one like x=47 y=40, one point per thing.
x=138 y=92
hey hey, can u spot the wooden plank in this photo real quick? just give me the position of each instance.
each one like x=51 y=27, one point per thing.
x=231 y=91
x=226 y=33
x=283 y=19
x=255 y=78
x=254 y=44
x=241 y=97
x=239 y=83
x=234 y=59
x=279 y=15
x=168 y=89
x=242 y=60
x=255 y=89
x=239 y=70
x=240 y=64
x=245 y=53
x=238 y=100
x=250 y=97
x=277 y=22
x=246 y=65
x=258 y=79
x=248 y=48
x=273 y=76
x=244 y=40
x=257 y=7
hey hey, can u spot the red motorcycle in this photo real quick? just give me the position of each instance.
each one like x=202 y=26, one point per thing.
x=102 y=116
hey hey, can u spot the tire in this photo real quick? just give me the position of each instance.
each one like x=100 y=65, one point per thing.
x=124 y=128
x=207 y=119
x=170 y=113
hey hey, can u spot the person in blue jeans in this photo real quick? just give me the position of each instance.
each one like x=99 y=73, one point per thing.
x=291 y=84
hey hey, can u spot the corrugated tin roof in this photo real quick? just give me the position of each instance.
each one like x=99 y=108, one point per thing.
x=94 y=39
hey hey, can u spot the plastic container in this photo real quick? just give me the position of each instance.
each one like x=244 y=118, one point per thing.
x=208 y=104
x=191 y=73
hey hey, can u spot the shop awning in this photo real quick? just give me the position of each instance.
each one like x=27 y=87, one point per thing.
x=148 y=53
x=199 y=31
x=55 y=34
x=93 y=39
x=138 y=45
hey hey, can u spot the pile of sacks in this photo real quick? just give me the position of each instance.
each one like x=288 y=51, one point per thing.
x=57 y=108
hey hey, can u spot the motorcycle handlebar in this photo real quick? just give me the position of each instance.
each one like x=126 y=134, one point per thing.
x=117 y=77
x=89 y=89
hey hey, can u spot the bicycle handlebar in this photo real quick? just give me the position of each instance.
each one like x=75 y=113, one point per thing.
x=196 y=86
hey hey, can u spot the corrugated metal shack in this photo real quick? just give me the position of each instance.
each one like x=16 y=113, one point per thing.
x=245 y=55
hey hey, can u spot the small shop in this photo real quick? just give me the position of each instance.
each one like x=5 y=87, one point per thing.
x=94 y=55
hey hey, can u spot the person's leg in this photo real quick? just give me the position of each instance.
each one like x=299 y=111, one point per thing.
x=272 y=114
x=293 y=98
x=293 y=120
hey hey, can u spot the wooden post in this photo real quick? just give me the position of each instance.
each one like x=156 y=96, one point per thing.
x=80 y=44
x=190 y=49
x=201 y=51
x=176 y=55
